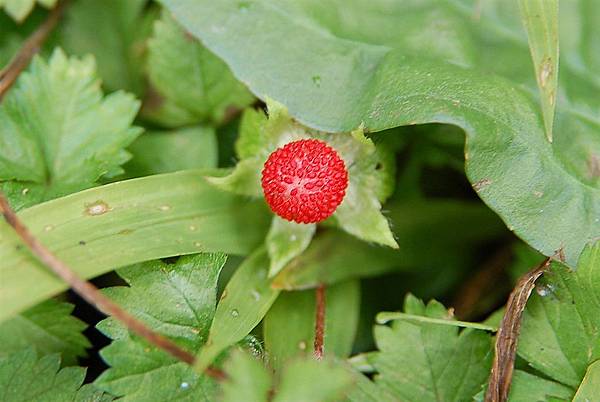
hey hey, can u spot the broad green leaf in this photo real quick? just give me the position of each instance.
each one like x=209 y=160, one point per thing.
x=20 y=9
x=289 y=326
x=97 y=230
x=588 y=390
x=247 y=379
x=170 y=151
x=50 y=328
x=115 y=32
x=193 y=84
x=243 y=304
x=369 y=184
x=540 y=18
x=311 y=380
x=377 y=82
x=430 y=362
x=287 y=240
x=526 y=387
x=50 y=131
x=24 y=378
x=560 y=335
x=178 y=301
x=90 y=393
x=334 y=256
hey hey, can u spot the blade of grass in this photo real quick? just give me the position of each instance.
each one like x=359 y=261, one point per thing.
x=384 y=317
x=540 y=18
x=106 y=227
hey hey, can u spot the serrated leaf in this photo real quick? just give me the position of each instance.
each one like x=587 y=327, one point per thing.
x=115 y=32
x=285 y=241
x=560 y=335
x=170 y=151
x=540 y=18
x=50 y=328
x=49 y=127
x=90 y=393
x=248 y=380
x=289 y=326
x=429 y=362
x=243 y=304
x=375 y=80
x=20 y=9
x=176 y=300
x=123 y=223
x=360 y=211
x=195 y=85
x=24 y=378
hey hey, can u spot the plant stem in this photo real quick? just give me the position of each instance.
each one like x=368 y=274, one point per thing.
x=320 y=321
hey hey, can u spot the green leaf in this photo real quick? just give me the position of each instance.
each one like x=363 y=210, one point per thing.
x=360 y=212
x=540 y=17
x=178 y=301
x=20 y=9
x=50 y=134
x=244 y=302
x=194 y=85
x=90 y=393
x=312 y=380
x=115 y=32
x=370 y=79
x=24 y=378
x=289 y=326
x=334 y=256
x=50 y=328
x=170 y=151
x=560 y=335
x=527 y=387
x=124 y=223
x=588 y=390
x=430 y=362
x=287 y=240
x=247 y=379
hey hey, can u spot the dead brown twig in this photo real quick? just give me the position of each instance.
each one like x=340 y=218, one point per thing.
x=32 y=45
x=508 y=334
x=319 y=321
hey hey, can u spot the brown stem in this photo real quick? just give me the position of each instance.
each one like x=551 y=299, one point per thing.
x=320 y=321
x=32 y=45
x=85 y=289
x=92 y=294
x=508 y=334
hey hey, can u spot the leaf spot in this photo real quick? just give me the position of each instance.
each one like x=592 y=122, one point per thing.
x=96 y=208
x=593 y=166
x=546 y=72
x=478 y=186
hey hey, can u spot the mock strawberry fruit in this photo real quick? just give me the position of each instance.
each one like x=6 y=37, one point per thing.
x=304 y=181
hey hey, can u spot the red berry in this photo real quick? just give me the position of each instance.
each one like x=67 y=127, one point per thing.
x=304 y=181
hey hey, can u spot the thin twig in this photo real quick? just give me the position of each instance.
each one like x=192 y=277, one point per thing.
x=485 y=288
x=508 y=334
x=85 y=289
x=319 y=321
x=92 y=294
x=32 y=45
